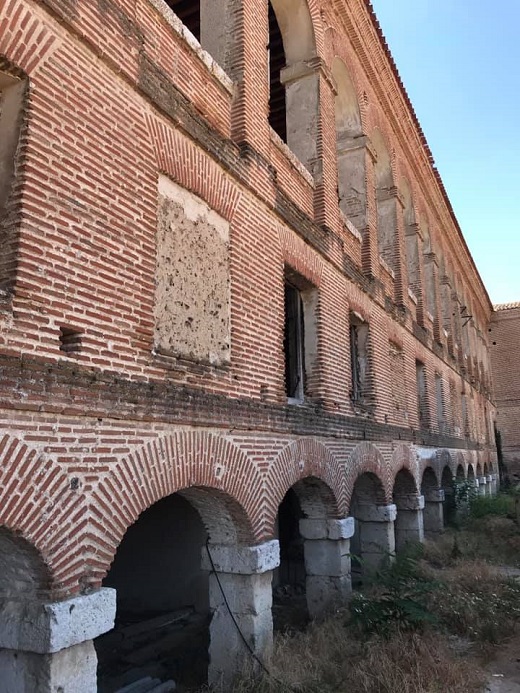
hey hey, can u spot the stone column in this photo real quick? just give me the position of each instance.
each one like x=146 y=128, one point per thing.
x=327 y=562
x=482 y=486
x=409 y=525
x=433 y=513
x=376 y=535
x=494 y=484
x=245 y=575
x=48 y=648
x=489 y=486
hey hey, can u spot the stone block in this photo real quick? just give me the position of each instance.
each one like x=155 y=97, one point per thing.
x=45 y=628
x=376 y=513
x=244 y=560
x=409 y=502
x=246 y=594
x=325 y=593
x=434 y=495
x=311 y=528
x=326 y=557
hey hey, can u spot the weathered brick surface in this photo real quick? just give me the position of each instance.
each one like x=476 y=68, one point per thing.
x=119 y=94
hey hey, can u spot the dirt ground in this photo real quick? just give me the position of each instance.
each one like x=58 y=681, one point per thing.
x=504 y=669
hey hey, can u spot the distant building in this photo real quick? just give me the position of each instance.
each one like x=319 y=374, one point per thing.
x=504 y=335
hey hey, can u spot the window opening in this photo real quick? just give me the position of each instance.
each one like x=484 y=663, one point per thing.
x=440 y=401
x=294 y=343
x=422 y=403
x=277 y=61
x=358 y=358
x=188 y=11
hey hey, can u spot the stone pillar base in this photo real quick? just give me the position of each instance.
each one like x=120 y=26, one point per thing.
x=245 y=575
x=409 y=525
x=48 y=648
x=433 y=513
x=327 y=563
x=376 y=535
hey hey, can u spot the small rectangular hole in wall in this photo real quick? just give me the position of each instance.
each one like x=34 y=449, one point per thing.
x=70 y=340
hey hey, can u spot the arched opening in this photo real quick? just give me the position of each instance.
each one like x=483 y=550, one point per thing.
x=294 y=87
x=350 y=147
x=289 y=601
x=385 y=201
x=164 y=606
x=300 y=583
x=373 y=541
x=433 y=513
x=449 y=495
x=471 y=474
x=409 y=524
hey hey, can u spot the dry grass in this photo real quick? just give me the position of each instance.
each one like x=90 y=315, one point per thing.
x=327 y=658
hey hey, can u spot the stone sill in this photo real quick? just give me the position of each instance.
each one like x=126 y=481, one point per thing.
x=291 y=156
x=350 y=226
x=384 y=264
x=413 y=297
x=174 y=362
x=182 y=31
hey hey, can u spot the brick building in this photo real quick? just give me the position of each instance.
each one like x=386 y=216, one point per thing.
x=240 y=329
x=504 y=336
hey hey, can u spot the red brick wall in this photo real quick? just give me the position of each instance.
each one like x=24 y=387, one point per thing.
x=116 y=97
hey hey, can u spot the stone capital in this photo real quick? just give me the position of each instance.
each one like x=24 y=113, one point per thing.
x=242 y=560
x=334 y=530
x=434 y=495
x=45 y=628
x=376 y=513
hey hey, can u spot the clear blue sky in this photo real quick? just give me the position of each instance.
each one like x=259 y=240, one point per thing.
x=460 y=63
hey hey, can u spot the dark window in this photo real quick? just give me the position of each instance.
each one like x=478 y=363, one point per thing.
x=300 y=337
x=277 y=112
x=188 y=11
x=294 y=343
x=359 y=361
x=422 y=399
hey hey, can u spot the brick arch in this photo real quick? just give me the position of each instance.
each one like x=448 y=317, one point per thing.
x=367 y=458
x=39 y=42
x=429 y=478
x=215 y=476
x=304 y=459
x=403 y=457
x=49 y=512
x=443 y=458
x=190 y=167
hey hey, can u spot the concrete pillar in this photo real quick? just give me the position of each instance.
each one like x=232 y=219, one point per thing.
x=433 y=513
x=327 y=562
x=482 y=486
x=245 y=575
x=376 y=535
x=409 y=525
x=490 y=490
x=47 y=647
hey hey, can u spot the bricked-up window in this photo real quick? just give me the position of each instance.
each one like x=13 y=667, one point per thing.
x=386 y=203
x=359 y=359
x=192 y=281
x=439 y=398
x=398 y=383
x=294 y=80
x=464 y=414
x=300 y=336
x=12 y=92
x=350 y=149
x=422 y=394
